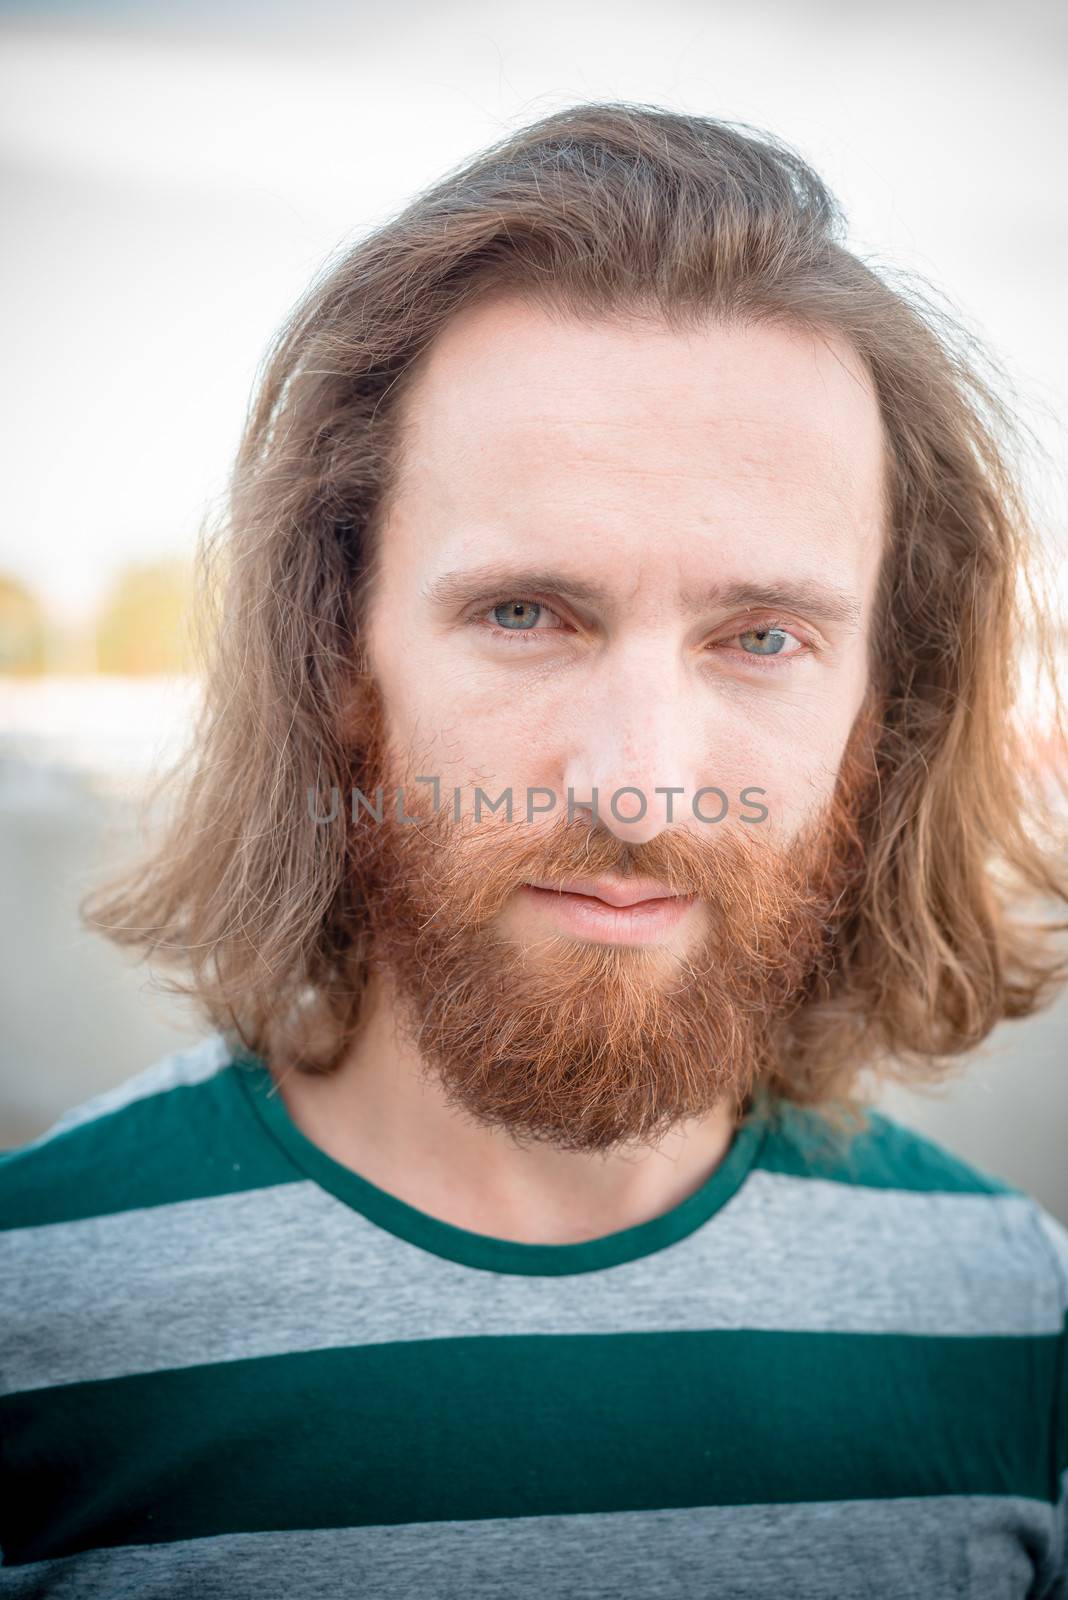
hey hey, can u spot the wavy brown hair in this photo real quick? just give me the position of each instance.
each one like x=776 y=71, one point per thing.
x=608 y=210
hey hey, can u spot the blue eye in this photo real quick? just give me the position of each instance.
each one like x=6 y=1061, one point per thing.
x=517 y=615
x=773 y=638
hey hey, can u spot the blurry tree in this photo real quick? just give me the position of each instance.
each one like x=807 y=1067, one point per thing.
x=145 y=623
x=24 y=630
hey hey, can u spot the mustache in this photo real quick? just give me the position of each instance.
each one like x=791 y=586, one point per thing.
x=475 y=867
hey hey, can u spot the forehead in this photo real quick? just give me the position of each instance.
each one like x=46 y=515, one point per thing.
x=521 y=417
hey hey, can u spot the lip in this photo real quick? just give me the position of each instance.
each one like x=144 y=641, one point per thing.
x=645 y=918
x=620 y=892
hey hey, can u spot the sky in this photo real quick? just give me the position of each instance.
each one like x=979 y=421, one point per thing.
x=172 y=179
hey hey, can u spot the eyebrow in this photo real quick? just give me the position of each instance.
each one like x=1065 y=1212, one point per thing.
x=821 y=601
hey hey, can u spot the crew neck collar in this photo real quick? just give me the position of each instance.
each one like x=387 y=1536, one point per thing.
x=484 y=1251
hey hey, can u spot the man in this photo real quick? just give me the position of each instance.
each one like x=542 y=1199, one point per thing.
x=607 y=757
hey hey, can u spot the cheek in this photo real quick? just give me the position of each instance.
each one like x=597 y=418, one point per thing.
x=467 y=740
x=789 y=768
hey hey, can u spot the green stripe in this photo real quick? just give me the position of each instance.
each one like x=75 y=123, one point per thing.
x=522 y=1426
x=229 y=1133
x=186 y=1143
x=886 y=1155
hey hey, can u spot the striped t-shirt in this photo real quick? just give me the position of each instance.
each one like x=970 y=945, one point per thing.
x=230 y=1366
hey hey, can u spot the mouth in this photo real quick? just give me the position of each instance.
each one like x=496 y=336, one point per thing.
x=621 y=912
x=620 y=892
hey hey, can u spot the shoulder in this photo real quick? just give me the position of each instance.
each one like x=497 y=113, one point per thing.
x=123 y=1224
x=151 y=1139
x=882 y=1154
x=975 y=1252
x=178 y=1069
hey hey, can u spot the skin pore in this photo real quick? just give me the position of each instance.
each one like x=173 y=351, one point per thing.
x=617 y=556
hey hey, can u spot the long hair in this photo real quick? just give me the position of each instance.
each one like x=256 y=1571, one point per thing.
x=602 y=210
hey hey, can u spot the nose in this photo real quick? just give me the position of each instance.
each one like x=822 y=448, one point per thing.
x=636 y=735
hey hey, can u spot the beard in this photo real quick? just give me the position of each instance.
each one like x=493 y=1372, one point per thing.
x=589 y=1046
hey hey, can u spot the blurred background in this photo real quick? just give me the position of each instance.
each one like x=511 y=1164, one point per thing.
x=173 y=177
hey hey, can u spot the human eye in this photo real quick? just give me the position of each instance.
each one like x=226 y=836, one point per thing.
x=767 y=643
x=517 y=617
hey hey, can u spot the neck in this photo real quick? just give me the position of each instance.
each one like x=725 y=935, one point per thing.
x=385 y=1116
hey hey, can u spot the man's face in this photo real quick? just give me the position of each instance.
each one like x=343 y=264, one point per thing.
x=620 y=558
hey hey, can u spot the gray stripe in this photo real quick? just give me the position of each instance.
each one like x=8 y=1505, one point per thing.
x=1056 y=1236
x=906 y=1549
x=290 y=1267
x=172 y=1071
